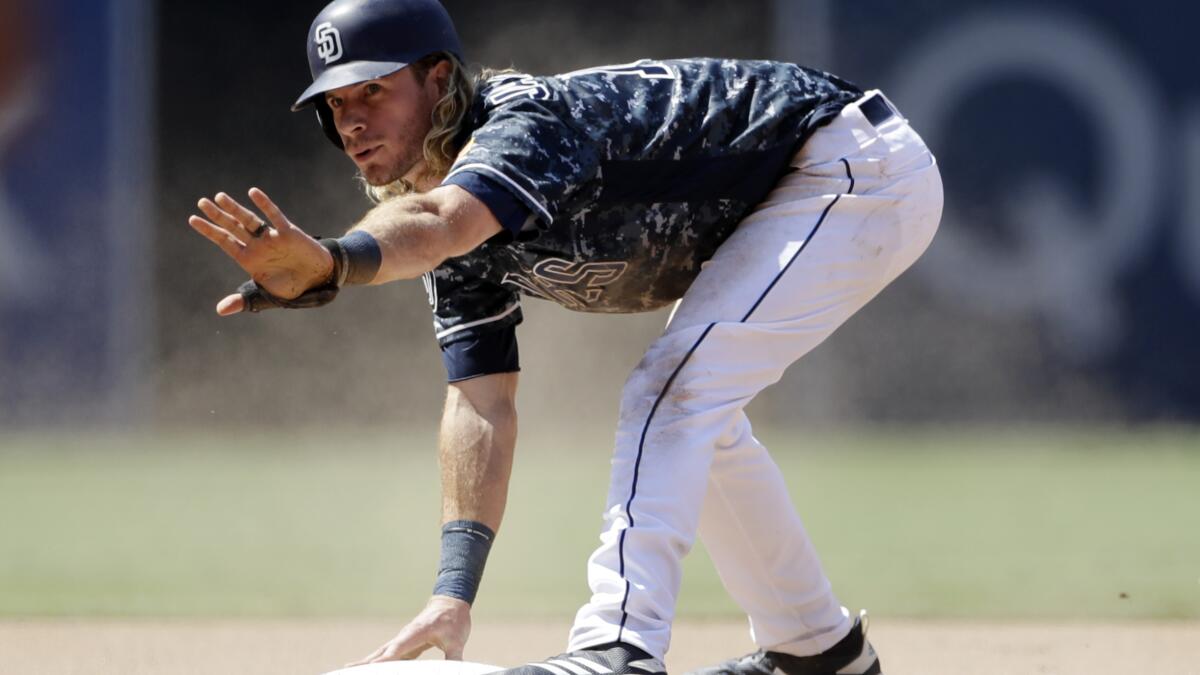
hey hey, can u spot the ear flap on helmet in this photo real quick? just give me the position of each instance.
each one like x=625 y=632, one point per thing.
x=325 y=117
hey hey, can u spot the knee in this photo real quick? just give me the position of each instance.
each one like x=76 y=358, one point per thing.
x=667 y=371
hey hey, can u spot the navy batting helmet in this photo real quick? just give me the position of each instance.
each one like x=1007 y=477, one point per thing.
x=353 y=41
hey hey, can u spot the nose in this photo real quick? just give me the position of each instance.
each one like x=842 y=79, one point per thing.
x=349 y=120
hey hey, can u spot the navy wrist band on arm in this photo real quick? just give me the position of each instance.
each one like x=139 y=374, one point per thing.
x=356 y=258
x=465 y=547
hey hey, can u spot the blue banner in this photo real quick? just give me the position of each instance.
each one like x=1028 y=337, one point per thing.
x=1068 y=135
x=74 y=195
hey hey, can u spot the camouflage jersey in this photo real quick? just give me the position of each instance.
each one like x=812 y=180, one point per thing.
x=613 y=185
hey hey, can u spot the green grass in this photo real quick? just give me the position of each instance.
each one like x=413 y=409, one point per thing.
x=945 y=524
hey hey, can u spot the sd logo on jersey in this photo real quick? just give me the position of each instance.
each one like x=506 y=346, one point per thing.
x=574 y=285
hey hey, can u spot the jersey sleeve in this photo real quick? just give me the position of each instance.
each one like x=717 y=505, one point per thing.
x=512 y=213
x=474 y=321
x=527 y=148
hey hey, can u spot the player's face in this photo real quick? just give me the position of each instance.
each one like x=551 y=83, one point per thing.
x=383 y=123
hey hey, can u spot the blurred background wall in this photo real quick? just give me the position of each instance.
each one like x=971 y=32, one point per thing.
x=76 y=211
x=1062 y=286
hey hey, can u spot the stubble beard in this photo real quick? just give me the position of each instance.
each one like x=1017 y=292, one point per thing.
x=409 y=167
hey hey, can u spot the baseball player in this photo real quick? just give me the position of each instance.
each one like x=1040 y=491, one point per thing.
x=768 y=201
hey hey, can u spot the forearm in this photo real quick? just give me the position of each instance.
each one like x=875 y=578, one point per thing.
x=478 y=435
x=479 y=431
x=417 y=232
x=412 y=234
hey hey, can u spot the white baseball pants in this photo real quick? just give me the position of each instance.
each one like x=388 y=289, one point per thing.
x=858 y=208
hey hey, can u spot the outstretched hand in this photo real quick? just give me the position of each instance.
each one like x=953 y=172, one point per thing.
x=277 y=255
x=445 y=623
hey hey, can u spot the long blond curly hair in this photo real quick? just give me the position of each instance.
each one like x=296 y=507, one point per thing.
x=449 y=114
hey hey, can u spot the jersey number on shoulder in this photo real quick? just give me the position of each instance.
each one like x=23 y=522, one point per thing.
x=507 y=87
x=645 y=69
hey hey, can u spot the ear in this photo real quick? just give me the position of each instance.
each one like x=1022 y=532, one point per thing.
x=440 y=76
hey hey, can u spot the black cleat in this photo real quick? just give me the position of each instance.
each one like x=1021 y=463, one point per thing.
x=852 y=656
x=614 y=658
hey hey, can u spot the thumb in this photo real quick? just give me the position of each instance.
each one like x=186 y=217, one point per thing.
x=231 y=304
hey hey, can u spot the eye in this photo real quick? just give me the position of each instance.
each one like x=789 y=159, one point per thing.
x=334 y=102
x=372 y=88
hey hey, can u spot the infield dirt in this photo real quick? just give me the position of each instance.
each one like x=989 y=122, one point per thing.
x=174 y=647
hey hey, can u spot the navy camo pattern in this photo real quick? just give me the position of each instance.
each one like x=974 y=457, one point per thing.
x=633 y=176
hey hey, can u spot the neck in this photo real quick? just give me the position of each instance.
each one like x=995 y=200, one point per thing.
x=420 y=178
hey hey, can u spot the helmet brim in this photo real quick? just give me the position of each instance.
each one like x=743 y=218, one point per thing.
x=345 y=74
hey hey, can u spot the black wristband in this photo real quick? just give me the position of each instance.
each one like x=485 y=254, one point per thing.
x=356 y=258
x=465 y=547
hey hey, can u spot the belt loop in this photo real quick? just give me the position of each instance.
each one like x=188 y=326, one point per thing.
x=876 y=109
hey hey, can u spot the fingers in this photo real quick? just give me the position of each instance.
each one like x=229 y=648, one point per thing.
x=369 y=658
x=454 y=653
x=248 y=219
x=392 y=651
x=223 y=220
x=441 y=625
x=407 y=645
x=228 y=243
x=273 y=213
x=231 y=304
x=240 y=222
